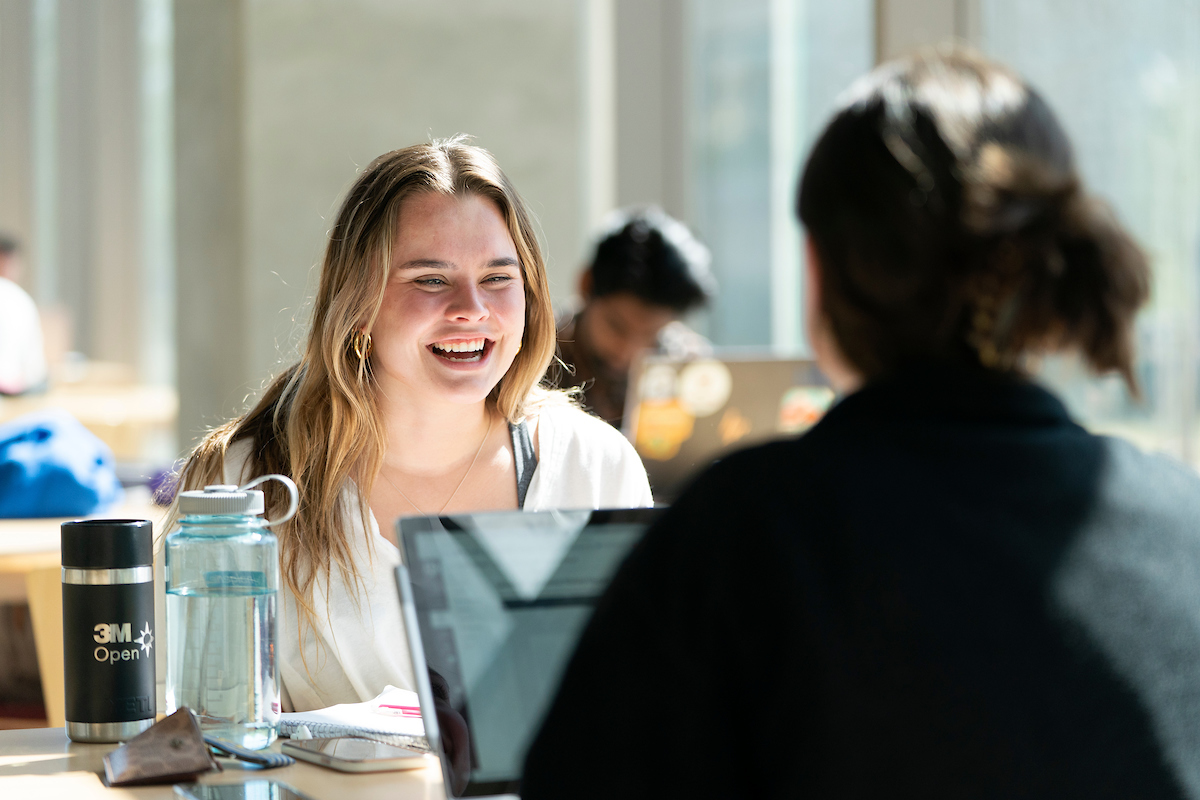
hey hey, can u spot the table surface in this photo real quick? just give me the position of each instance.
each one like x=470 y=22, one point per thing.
x=29 y=544
x=43 y=763
x=29 y=536
x=130 y=418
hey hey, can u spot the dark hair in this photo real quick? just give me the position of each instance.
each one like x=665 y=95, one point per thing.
x=950 y=224
x=654 y=257
x=8 y=245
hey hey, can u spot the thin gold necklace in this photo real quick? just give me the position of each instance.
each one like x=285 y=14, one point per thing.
x=460 y=482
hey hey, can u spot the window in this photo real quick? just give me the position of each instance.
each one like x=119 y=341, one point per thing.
x=763 y=78
x=1124 y=79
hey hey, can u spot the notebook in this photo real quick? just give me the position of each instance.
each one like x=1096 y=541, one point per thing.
x=394 y=717
x=493 y=606
x=684 y=414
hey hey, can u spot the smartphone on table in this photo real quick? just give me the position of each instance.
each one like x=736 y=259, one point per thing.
x=247 y=790
x=352 y=754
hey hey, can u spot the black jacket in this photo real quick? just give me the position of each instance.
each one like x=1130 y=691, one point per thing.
x=945 y=589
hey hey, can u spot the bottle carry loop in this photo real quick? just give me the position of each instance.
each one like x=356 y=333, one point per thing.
x=293 y=495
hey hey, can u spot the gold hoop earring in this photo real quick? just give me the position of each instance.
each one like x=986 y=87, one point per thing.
x=519 y=346
x=360 y=340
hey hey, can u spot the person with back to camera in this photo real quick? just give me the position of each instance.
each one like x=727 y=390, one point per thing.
x=417 y=393
x=648 y=270
x=946 y=588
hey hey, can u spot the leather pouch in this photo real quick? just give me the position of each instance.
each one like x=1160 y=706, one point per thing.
x=170 y=751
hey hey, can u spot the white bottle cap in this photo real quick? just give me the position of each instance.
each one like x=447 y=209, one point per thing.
x=222 y=499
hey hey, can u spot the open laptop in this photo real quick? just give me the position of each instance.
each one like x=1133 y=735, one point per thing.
x=494 y=604
x=682 y=414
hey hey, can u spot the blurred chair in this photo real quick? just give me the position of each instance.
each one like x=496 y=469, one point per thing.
x=44 y=588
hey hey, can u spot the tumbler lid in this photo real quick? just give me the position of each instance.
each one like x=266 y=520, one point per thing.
x=222 y=499
x=107 y=543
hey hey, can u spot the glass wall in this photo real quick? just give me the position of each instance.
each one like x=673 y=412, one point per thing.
x=1125 y=81
x=763 y=76
x=1123 y=77
x=87 y=188
x=87 y=109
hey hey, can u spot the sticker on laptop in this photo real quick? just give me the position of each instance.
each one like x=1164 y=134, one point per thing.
x=733 y=426
x=801 y=407
x=659 y=382
x=704 y=387
x=662 y=427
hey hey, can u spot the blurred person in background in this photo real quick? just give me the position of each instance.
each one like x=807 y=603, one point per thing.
x=22 y=356
x=648 y=271
x=419 y=391
x=947 y=587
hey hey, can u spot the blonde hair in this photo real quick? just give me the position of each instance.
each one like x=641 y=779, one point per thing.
x=319 y=422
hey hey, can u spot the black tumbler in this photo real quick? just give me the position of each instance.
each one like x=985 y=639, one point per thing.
x=108 y=628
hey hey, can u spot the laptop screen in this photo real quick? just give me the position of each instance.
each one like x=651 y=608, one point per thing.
x=498 y=601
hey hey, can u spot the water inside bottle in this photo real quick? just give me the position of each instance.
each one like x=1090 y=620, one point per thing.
x=220 y=663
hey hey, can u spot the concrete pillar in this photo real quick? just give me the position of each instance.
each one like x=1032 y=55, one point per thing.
x=16 y=153
x=905 y=25
x=74 y=226
x=114 y=149
x=211 y=323
x=652 y=140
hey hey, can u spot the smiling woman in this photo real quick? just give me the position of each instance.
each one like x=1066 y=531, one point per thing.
x=453 y=311
x=431 y=331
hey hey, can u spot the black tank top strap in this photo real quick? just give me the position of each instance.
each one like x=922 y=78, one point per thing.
x=524 y=458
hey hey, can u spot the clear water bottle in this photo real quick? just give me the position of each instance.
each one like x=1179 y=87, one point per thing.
x=222 y=577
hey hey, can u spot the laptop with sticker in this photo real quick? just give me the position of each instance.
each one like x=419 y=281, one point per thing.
x=684 y=414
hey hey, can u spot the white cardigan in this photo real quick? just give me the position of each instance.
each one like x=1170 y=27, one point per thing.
x=358 y=645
